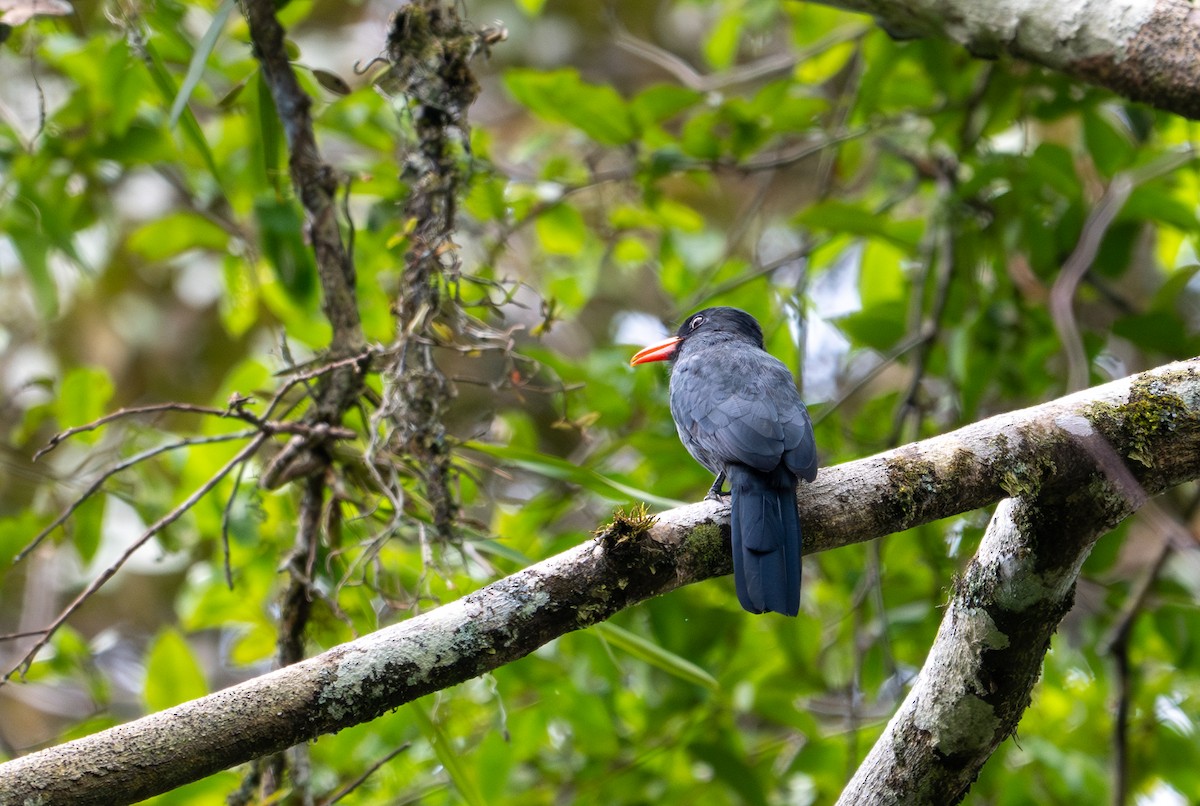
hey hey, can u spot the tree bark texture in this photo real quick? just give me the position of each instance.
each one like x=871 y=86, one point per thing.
x=979 y=675
x=1144 y=50
x=1093 y=451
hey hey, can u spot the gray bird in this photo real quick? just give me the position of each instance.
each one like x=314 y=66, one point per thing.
x=738 y=413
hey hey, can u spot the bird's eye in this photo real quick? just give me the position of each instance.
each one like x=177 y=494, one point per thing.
x=696 y=322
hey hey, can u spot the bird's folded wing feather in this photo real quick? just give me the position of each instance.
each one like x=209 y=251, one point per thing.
x=755 y=423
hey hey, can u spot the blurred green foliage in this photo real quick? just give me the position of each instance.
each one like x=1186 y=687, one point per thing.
x=894 y=213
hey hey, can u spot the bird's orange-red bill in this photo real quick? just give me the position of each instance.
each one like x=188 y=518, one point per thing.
x=663 y=351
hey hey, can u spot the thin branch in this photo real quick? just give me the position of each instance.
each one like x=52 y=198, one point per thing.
x=766 y=67
x=367 y=773
x=16 y=636
x=1116 y=645
x=1173 y=535
x=316 y=184
x=1062 y=294
x=315 y=181
x=235 y=410
x=95 y=486
x=155 y=528
x=120 y=414
x=929 y=326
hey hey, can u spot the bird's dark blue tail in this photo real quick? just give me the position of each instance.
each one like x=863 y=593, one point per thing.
x=766 y=539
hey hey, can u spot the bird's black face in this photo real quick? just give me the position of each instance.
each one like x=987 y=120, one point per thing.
x=722 y=320
x=732 y=322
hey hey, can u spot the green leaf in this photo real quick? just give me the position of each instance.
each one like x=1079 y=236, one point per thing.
x=281 y=229
x=596 y=110
x=271 y=137
x=1054 y=166
x=847 y=219
x=630 y=252
x=878 y=327
x=173 y=673
x=698 y=138
x=1158 y=331
x=255 y=645
x=191 y=127
x=721 y=47
x=661 y=102
x=562 y=470
x=176 y=233
x=1154 y=202
x=239 y=304
x=486 y=199
x=15 y=533
x=82 y=398
x=826 y=64
x=196 y=67
x=34 y=253
x=86 y=525
x=448 y=755
x=121 y=88
x=732 y=769
x=561 y=230
x=653 y=654
x=881 y=274
x=1169 y=294
x=1108 y=141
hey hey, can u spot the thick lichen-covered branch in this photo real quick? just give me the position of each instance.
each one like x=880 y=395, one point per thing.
x=1148 y=423
x=1030 y=453
x=1144 y=50
x=979 y=675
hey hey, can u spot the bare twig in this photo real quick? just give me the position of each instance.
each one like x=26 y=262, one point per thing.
x=940 y=261
x=340 y=380
x=235 y=410
x=315 y=181
x=1062 y=294
x=367 y=773
x=114 y=470
x=316 y=184
x=16 y=636
x=766 y=67
x=1173 y=536
x=133 y=411
x=166 y=520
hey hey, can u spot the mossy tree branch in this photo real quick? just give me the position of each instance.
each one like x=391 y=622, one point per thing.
x=1047 y=454
x=1144 y=50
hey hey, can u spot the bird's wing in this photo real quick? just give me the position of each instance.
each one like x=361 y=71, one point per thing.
x=800 y=446
x=755 y=422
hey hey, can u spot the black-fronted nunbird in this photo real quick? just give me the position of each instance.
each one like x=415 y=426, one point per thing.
x=738 y=413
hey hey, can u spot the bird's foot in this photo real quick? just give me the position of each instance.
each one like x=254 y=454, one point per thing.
x=714 y=492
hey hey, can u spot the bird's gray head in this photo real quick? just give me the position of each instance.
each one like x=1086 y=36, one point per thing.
x=709 y=326
x=734 y=322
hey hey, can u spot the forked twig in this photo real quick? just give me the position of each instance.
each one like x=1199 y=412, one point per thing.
x=114 y=470
x=166 y=520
